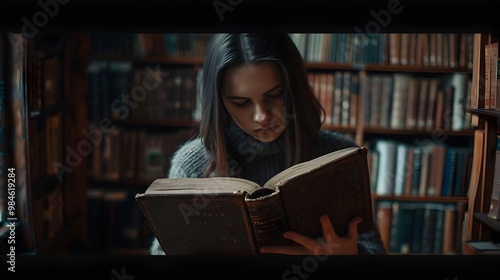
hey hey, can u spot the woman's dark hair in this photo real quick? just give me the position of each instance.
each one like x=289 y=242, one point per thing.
x=303 y=112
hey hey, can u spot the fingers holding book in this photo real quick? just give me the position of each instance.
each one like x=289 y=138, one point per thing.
x=329 y=244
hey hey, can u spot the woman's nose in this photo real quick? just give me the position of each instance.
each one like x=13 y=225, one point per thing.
x=261 y=114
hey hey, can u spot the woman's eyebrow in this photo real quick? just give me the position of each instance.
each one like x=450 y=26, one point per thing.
x=240 y=97
x=235 y=97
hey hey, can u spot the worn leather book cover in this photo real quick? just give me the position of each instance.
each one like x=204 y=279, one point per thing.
x=225 y=215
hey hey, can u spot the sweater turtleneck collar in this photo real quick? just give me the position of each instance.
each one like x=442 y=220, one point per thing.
x=242 y=143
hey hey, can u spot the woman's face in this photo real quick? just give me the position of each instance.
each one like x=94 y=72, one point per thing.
x=253 y=96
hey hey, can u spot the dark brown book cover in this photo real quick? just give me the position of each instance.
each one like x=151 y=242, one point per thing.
x=225 y=215
x=494 y=211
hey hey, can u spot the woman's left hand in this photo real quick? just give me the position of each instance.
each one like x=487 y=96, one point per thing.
x=329 y=244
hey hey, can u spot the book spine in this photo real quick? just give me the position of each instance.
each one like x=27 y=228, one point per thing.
x=267 y=216
x=494 y=211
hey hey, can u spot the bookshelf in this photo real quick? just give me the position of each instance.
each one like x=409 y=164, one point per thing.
x=144 y=84
x=481 y=224
x=451 y=130
x=43 y=135
x=405 y=96
x=101 y=105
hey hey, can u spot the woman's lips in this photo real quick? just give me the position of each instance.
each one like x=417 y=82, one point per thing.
x=266 y=130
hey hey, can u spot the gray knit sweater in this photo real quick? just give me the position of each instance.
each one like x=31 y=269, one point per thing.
x=258 y=162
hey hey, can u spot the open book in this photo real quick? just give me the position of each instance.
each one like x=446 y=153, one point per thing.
x=225 y=215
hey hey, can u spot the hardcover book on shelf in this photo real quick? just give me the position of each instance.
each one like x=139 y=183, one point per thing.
x=482 y=247
x=225 y=215
x=17 y=105
x=494 y=211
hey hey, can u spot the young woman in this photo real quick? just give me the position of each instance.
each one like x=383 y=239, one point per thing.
x=259 y=115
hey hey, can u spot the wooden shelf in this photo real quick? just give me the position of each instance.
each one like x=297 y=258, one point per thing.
x=483 y=218
x=451 y=199
x=330 y=66
x=479 y=226
x=62 y=237
x=389 y=131
x=157 y=123
x=188 y=61
x=48 y=111
x=383 y=68
x=121 y=183
x=413 y=69
x=339 y=128
x=375 y=130
x=484 y=112
x=43 y=185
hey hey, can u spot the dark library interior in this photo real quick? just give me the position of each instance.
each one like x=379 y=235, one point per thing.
x=80 y=148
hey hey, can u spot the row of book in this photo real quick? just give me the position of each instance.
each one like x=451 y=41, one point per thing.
x=114 y=220
x=450 y=50
x=52 y=208
x=494 y=211
x=429 y=169
x=150 y=44
x=16 y=73
x=46 y=146
x=127 y=153
x=43 y=81
x=396 y=101
x=339 y=94
x=491 y=77
x=408 y=227
x=126 y=91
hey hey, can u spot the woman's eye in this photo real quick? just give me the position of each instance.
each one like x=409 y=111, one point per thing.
x=276 y=94
x=241 y=103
